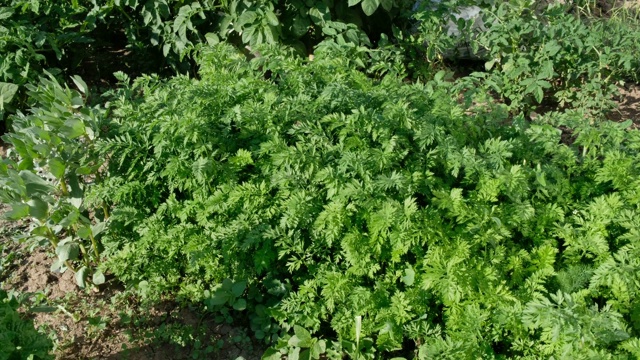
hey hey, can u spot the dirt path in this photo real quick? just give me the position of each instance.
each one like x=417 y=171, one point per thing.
x=629 y=106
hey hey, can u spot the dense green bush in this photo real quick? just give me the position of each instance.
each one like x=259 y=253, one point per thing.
x=555 y=57
x=321 y=202
x=18 y=337
x=72 y=36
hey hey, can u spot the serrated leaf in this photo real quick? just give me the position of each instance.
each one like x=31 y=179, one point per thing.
x=370 y=6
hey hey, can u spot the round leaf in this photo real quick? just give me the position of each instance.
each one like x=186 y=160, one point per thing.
x=98 y=277
x=240 y=304
x=370 y=6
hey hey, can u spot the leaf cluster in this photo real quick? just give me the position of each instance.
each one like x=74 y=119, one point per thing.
x=18 y=337
x=333 y=197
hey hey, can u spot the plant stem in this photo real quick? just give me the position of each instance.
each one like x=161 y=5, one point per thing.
x=94 y=244
x=85 y=256
x=105 y=209
x=63 y=188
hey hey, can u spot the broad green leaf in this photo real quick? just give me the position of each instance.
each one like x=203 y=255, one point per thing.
x=84 y=232
x=57 y=167
x=73 y=128
x=74 y=185
x=538 y=94
x=353 y=2
x=294 y=354
x=212 y=38
x=409 y=276
x=271 y=18
x=320 y=14
x=82 y=86
x=302 y=337
x=387 y=4
x=319 y=348
x=240 y=304
x=81 y=276
x=489 y=64
x=300 y=25
x=247 y=18
x=43 y=309
x=6 y=12
x=219 y=298
x=370 y=6
x=18 y=211
x=68 y=251
x=35 y=184
x=98 y=278
x=57 y=265
x=70 y=219
x=305 y=354
x=271 y=354
x=238 y=288
x=7 y=91
x=38 y=209
x=98 y=228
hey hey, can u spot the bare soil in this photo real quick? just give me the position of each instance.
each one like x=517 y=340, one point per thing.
x=628 y=106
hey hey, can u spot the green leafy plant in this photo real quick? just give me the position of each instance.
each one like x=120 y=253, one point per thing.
x=551 y=55
x=50 y=166
x=336 y=196
x=18 y=337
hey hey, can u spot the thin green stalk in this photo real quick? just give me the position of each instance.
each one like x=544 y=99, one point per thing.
x=85 y=256
x=105 y=209
x=63 y=188
x=94 y=244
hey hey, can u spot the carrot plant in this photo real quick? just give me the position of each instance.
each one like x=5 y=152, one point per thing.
x=312 y=201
